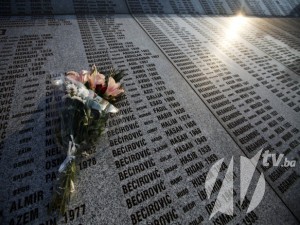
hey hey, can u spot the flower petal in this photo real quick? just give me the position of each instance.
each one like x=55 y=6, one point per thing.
x=84 y=75
x=113 y=88
x=116 y=92
x=99 y=79
x=73 y=75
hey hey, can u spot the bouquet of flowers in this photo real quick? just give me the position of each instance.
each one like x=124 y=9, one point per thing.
x=87 y=98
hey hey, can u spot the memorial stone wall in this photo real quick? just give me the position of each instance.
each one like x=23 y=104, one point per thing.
x=201 y=85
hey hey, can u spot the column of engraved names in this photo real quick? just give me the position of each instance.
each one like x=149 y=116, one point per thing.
x=286 y=24
x=260 y=66
x=5 y=8
x=133 y=158
x=25 y=198
x=181 y=132
x=183 y=7
x=97 y=54
x=283 y=134
x=284 y=47
x=188 y=67
x=279 y=129
x=283 y=34
x=41 y=7
x=196 y=180
x=7 y=87
x=93 y=42
x=98 y=6
x=291 y=86
x=150 y=124
x=142 y=57
x=54 y=152
x=235 y=121
x=275 y=78
x=277 y=44
x=90 y=31
x=189 y=160
x=117 y=141
x=25 y=7
x=208 y=59
x=141 y=6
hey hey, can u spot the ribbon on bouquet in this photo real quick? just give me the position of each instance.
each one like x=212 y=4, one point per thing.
x=70 y=155
x=106 y=105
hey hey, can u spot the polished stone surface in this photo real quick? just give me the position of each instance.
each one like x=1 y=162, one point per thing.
x=198 y=89
x=201 y=7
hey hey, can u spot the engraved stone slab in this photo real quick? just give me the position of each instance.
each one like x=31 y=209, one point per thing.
x=203 y=7
x=198 y=89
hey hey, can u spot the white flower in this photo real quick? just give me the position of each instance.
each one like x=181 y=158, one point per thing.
x=71 y=88
x=78 y=98
x=83 y=92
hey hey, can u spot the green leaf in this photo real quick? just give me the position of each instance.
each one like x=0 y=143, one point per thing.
x=119 y=75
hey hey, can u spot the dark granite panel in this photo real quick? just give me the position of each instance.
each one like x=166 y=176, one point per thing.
x=202 y=7
x=198 y=89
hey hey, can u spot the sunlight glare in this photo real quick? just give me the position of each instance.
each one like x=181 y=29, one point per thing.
x=236 y=24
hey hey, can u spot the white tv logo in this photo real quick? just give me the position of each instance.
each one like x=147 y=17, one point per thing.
x=224 y=202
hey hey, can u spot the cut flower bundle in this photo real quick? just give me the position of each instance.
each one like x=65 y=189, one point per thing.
x=86 y=102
